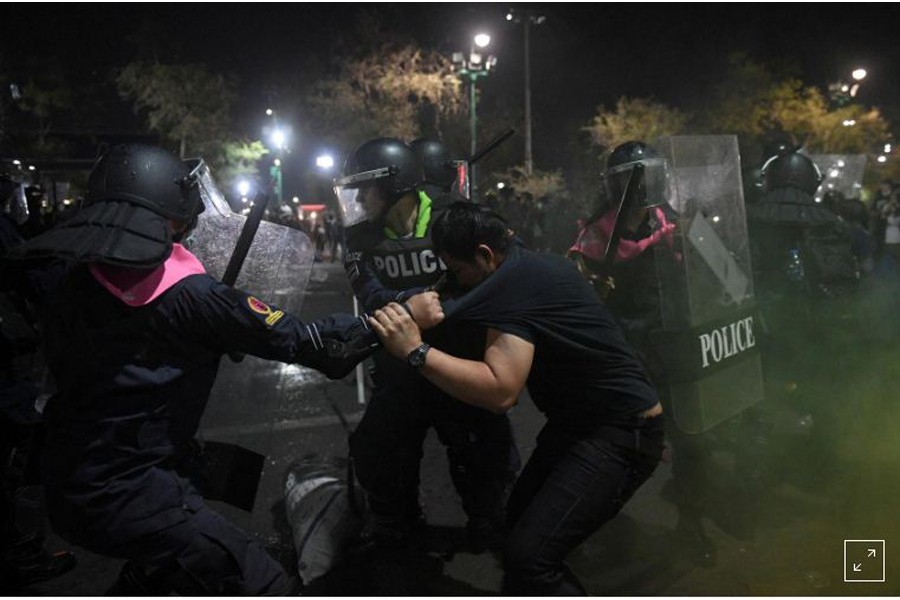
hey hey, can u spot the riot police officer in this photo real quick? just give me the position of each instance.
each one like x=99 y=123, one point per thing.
x=23 y=558
x=388 y=215
x=630 y=286
x=135 y=331
x=809 y=282
x=439 y=167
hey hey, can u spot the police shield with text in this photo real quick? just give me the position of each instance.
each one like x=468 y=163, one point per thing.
x=390 y=257
x=150 y=327
x=711 y=327
x=670 y=255
x=714 y=292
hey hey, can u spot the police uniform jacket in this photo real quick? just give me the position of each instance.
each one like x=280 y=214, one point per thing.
x=133 y=383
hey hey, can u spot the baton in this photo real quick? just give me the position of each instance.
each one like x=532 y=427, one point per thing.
x=245 y=240
x=242 y=247
x=628 y=198
x=490 y=146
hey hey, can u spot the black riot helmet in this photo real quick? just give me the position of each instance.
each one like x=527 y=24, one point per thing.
x=619 y=164
x=790 y=169
x=134 y=191
x=390 y=163
x=146 y=176
x=629 y=152
x=438 y=166
x=387 y=163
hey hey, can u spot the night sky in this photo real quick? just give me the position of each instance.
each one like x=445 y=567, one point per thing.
x=584 y=54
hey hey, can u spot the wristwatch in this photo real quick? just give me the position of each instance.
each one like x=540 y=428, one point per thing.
x=416 y=358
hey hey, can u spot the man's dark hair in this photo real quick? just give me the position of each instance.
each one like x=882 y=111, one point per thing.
x=464 y=225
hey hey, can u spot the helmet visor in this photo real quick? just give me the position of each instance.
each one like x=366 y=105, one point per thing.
x=357 y=179
x=349 y=197
x=352 y=212
x=652 y=191
x=210 y=194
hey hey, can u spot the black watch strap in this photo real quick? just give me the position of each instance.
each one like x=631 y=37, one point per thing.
x=416 y=358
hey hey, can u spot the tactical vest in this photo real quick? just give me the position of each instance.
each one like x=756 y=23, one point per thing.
x=408 y=262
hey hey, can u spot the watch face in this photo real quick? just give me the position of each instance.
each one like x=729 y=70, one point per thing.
x=416 y=358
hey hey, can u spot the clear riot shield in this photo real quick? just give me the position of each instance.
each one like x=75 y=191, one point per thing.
x=707 y=290
x=841 y=172
x=250 y=395
x=17 y=207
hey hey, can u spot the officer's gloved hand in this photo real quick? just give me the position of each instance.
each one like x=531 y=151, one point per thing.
x=338 y=343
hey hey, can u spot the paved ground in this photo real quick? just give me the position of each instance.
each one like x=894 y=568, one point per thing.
x=810 y=503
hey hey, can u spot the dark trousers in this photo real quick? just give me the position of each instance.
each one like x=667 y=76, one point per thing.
x=572 y=485
x=189 y=550
x=386 y=448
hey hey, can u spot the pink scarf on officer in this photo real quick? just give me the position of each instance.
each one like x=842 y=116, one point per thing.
x=138 y=287
x=594 y=237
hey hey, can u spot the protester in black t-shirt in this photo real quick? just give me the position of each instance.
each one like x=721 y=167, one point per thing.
x=547 y=330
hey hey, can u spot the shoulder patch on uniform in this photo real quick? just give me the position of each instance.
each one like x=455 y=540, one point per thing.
x=260 y=307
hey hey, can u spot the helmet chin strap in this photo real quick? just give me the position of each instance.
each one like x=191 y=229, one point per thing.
x=182 y=229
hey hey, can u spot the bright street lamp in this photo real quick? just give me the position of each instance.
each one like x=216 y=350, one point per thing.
x=471 y=66
x=279 y=138
x=842 y=93
x=325 y=161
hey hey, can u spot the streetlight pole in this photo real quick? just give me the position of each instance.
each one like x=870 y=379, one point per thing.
x=471 y=67
x=527 y=18
x=473 y=119
x=278 y=136
x=529 y=163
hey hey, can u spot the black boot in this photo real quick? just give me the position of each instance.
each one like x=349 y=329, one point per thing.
x=692 y=538
x=26 y=562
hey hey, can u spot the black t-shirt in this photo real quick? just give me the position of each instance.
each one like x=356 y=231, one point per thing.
x=584 y=372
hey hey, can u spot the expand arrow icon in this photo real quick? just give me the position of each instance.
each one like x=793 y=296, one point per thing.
x=871 y=552
x=857 y=567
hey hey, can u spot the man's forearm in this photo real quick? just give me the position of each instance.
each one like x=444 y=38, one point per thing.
x=493 y=383
x=469 y=381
